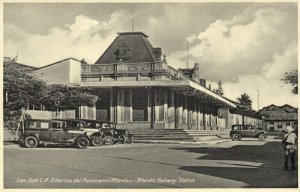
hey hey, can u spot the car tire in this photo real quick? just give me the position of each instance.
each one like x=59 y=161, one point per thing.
x=261 y=137
x=236 y=137
x=96 y=141
x=108 y=140
x=122 y=139
x=129 y=139
x=82 y=143
x=31 y=142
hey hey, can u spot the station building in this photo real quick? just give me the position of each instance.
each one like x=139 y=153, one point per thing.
x=139 y=89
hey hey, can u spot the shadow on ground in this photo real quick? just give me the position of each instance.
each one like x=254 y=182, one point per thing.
x=269 y=156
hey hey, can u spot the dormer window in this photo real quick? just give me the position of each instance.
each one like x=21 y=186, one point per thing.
x=124 y=53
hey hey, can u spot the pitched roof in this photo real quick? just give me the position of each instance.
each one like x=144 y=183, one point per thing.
x=130 y=47
x=70 y=58
x=283 y=109
x=19 y=66
x=281 y=116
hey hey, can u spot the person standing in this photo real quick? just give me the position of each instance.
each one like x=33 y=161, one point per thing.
x=289 y=141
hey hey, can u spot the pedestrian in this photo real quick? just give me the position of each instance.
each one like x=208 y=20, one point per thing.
x=289 y=145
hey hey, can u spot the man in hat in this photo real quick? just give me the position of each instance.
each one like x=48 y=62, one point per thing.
x=289 y=145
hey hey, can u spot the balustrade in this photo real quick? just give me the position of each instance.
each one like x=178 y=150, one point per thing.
x=115 y=68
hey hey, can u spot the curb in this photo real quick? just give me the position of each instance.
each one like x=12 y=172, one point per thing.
x=209 y=142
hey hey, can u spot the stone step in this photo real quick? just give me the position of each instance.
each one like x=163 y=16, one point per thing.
x=175 y=134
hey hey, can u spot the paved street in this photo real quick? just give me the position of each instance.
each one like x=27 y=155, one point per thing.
x=247 y=163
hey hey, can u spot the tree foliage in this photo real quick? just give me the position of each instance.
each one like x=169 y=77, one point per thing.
x=61 y=97
x=21 y=89
x=245 y=100
x=292 y=78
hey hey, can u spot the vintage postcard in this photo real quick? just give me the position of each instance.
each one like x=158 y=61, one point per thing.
x=150 y=95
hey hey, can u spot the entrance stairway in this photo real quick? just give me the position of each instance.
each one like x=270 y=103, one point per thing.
x=175 y=136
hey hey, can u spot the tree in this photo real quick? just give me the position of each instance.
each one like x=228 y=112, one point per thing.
x=220 y=89
x=20 y=90
x=292 y=78
x=61 y=97
x=245 y=100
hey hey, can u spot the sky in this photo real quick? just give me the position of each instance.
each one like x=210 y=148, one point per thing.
x=248 y=46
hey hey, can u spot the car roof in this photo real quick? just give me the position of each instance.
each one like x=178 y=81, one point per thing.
x=92 y=120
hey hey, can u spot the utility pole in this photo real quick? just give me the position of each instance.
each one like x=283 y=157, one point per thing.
x=187 y=54
x=257 y=100
x=132 y=24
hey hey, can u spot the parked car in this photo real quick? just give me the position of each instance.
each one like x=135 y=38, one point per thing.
x=247 y=131
x=43 y=131
x=120 y=135
x=92 y=128
x=110 y=133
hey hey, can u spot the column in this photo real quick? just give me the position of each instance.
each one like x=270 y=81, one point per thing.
x=190 y=113
x=178 y=110
x=185 y=110
x=171 y=111
x=198 y=115
x=156 y=104
x=165 y=106
x=149 y=95
x=120 y=105
x=112 y=105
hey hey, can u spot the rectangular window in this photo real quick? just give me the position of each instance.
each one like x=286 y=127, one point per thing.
x=58 y=124
x=139 y=105
x=288 y=123
x=272 y=123
x=38 y=125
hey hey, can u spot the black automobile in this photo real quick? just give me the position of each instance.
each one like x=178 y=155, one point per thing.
x=118 y=135
x=92 y=128
x=44 y=131
x=247 y=131
x=110 y=133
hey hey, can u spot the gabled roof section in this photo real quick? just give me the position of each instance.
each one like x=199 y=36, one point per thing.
x=70 y=58
x=274 y=108
x=130 y=47
x=19 y=66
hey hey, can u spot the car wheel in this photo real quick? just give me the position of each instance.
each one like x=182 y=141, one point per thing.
x=31 y=142
x=236 y=137
x=262 y=137
x=108 y=140
x=130 y=139
x=82 y=143
x=96 y=141
x=122 y=139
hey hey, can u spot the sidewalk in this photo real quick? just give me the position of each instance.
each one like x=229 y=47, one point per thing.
x=208 y=142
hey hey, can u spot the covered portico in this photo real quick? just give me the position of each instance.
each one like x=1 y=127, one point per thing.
x=168 y=99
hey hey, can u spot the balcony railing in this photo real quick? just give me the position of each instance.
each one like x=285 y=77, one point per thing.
x=130 y=68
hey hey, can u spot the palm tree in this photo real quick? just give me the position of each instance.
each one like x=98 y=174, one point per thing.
x=245 y=100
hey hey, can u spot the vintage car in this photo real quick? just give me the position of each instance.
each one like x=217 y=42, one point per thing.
x=45 y=131
x=92 y=128
x=110 y=133
x=118 y=135
x=247 y=131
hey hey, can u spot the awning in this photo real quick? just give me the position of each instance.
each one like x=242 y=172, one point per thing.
x=185 y=86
